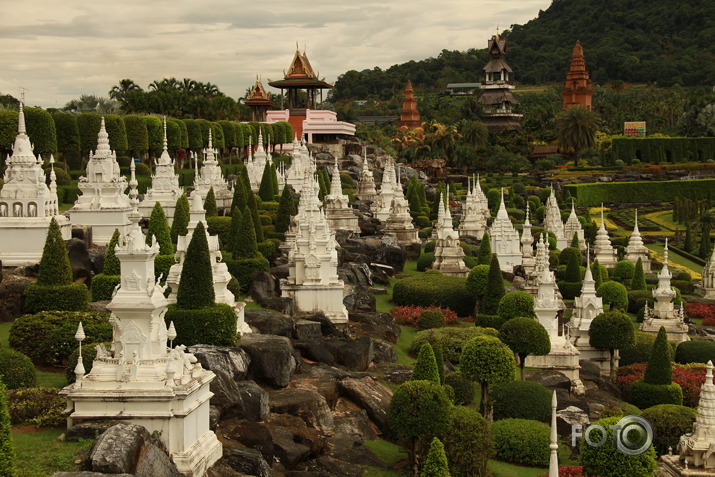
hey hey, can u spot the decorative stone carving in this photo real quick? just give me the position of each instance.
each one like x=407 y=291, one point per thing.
x=366 y=182
x=210 y=175
x=505 y=240
x=387 y=191
x=552 y=221
x=399 y=223
x=605 y=254
x=635 y=248
x=573 y=226
x=448 y=253
x=475 y=211
x=338 y=212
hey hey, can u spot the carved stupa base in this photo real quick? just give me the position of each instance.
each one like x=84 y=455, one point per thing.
x=677 y=330
x=673 y=466
x=23 y=238
x=103 y=222
x=564 y=358
x=707 y=293
x=327 y=299
x=405 y=236
x=598 y=356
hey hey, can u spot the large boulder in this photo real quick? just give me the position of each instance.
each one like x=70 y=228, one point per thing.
x=354 y=422
x=272 y=358
x=117 y=450
x=321 y=379
x=255 y=435
x=376 y=325
x=329 y=466
x=254 y=401
x=265 y=290
x=80 y=261
x=355 y=274
x=302 y=434
x=307 y=330
x=246 y=461
x=357 y=354
x=370 y=395
x=307 y=404
x=359 y=300
x=269 y=322
x=287 y=451
x=569 y=417
x=383 y=352
x=315 y=351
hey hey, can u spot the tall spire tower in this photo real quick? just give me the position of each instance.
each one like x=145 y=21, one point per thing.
x=578 y=90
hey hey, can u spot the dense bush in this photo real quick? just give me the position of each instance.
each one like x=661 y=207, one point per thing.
x=468 y=443
x=419 y=408
x=570 y=290
x=644 y=395
x=695 y=351
x=594 y=194
x=489 y=321
x=431 y=319
x=477 y=279
x=425 y=261
x=568 y=252
x=16 y=369
x=435 y=464
x=434 y=289
x=7 y=451
x=641 y=350
x=690 y=377
x=494 y=289
x=669 y=422
x=73 y=297
x=638 y=298
x=525 y=336
x=522 y=441
x=48 y=337
x=684 y=287
x=243 y=269
x=42 y=407
x=426 y=368
x=613 y=294
x=463 y=388
x=213 y=325
x=162 y=265
x=196 y=288
x=103 y=286
x=409 y=315
x=450 y=340
x=521 y=400
x=607 y=461
x=623 y=270
x=516 y=304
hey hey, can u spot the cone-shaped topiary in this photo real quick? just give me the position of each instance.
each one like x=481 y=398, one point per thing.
x=159 y=227
x=265 y=190
x=439 y=359
x=245 y=245
x=55 y=268
x=688 y=246
x=179 y=226
x=7 y=452
x=574 y=240
x=596 y=272
x=323 y=183
x=484 y=255
x=111 y=262
x=239 y=196
x=196 y=286
x=495 y=289
x=573 y=270
x=436 y=462
x=705 y=243
x=274 y=180
x=426 y=366
x=413 y=199
x=234 y=228
x=246 y=181
x=253 y=207
x=660 y=367
x=638 y=281
x=210 y=204
x=285 y=210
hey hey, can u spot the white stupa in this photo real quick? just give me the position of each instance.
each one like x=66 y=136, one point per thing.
x=448 y=253
x=635 y=248
x=366 y=182
x=165 y=187
x=387 y=191
x=603 y=250
x=337 y=209
x=300 y=160
x=313 y=281
x=553 y=223
x=504 y=239
x=103 y=205
x=210 y=175
x=399 y=223
x=527 y=240
x=260 y=156
x=141 y=380
x=708 y=278
x=573 y=226
x=27 y=204
x=473 y=222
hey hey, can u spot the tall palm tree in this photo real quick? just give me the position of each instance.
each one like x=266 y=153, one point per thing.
x=576 y=129
x=119 y=91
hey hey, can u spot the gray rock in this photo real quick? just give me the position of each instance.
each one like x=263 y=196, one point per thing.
x=88 y=430
x=519 y=283
x=99 y=306
x=357 y=354
x=315 y=351
x=569 y=417
x=589 y=369
x=117 y=450
x=548 y=378
x=354 y=422
x=155 y=462
x=307 y=330
x=359 y=300
x=288 y=452
x=247 y=461
x=80 y=261
x=272 y=359
x=264 y=288
x=254 y=400
x=88 y=474
x=327 y=327
x=384 y=352
x=270 y=322
x=369 y=395
x=355 y=274
x=307 y=404
x=335 y=468
x=255 y=435
x=376 y=325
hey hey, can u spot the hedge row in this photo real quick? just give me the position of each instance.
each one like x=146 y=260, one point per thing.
x=73 y=297
x=639 y=192
x=433 y=288
x=657 y=150
x=213 y=325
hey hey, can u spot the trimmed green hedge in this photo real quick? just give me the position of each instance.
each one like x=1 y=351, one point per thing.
x=594 y=194
x=73 y=297
x=669 y=422
x=695 y=351
x=644 y=395
x=520 y=400
x=16 y=370
x=640 y=352
x=522 y=441
x=489 y=321
x=570 y=290
x=463 y=388
x=656 y=150
x=103 y=286
x=213 y=325
x=449 y=340
x=243 y=269
x=425 y=261
x=433 y=288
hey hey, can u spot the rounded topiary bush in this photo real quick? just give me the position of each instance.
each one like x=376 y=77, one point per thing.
x=695 y=351
x=567 y=253
x=669 y=422
x=644 y=395
x=516 y=303
x=450 y=340
x=16 y=369
x=641 y=350
x=468 y=443
x=72 y=297
x=638 y=298
x=489 y=321
x=463 y=388
x=430 y=246
x=613 y=294
x=521 y=400
x=431 y=319
x=570 y=290
x=522 y=441
x=623 y=270
x=425 y=261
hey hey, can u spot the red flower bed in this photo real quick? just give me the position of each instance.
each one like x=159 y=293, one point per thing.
x=409 y=315
x=569 y=471
x=689 y=378
x=701 y=310
x=709 y=321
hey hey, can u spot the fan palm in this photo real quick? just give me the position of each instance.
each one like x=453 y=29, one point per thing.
x=576 y=129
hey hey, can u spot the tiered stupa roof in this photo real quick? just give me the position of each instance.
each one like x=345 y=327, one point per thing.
x=604 y=252
x=410 y=116
x=505 y=240
x=635 y=248
x=577 y=91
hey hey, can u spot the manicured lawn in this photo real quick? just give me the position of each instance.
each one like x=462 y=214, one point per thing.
x=502 y=469
x=39 y=454
x=5 y=333
x=47 y=379
x=680 y=262
x=406 y=337
x=387 y=452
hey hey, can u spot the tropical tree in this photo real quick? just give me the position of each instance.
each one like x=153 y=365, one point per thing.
x=576 y=129
x=525 y=336
x=612 y=330
x=487 y=360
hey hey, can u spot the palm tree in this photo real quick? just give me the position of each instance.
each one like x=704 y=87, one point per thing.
x=576 y=129
x=119 y=91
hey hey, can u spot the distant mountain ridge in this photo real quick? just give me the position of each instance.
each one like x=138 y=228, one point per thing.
x=666 y=42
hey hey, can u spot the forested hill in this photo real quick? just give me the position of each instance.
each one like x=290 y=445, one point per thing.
x=647 y=41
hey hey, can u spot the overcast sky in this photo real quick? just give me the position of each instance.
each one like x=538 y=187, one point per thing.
x=59 y=50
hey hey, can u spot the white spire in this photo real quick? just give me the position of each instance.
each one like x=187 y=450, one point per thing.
x=166 y=145
x=603 y=222
x=554 y=443
x=21 y=121
x=133 y=192
x=103 y=149
x=635 y=226
x=211 y=144
x=502 y=214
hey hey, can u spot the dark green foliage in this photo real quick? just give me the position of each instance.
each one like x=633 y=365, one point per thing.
x=641 y=351
x=607 y=461
x=220 y=226
x=516 y=304
x=486 y=360
x=477 y=280
x=573 y=269
x=574 y=241
x=644 y=395
x=570 y=290
x=239 y=195
x=286 y=208
x=210 y=204
x=596 y=273
x=234 y=229
x=638 y=192
x=426 y=366
x=638 y=280
x=155 y=134
x=214 y=324
x=660 y=367
x=525 y=336
x=425 y=261
x=16 y=369
x=137 y=134
x=243 y=269
x=111 y=262
x=419 y=409
x=433 y=288
x=489 y=321
x=103 y=286
x=196 y=289
x=245 y=244
x=566 y=254
x=265 y=190
x=73 y=297
x=435 y=464
x=522 y=441
x=89 y=352
x=41 y=407
x=689 y=243
x=179 y=226
x=611 y=331
x=67 y=132
x=116 y=131
x=7 y=452
x=234 y=287
x=268 y=248
x=253 y=207
x=88 y=125
x=162 y=265
x=521 y=400
x=450 y=340
x=669 y=422
x=484 y=256
x=463 y=388
x=495 y=289
x=55 y=266
x=431 y=319
x=623 y=270
x=613 y=294
x=439 y=359
x=159 y=227
x=468 y=443
x=638 y=298
x=695 y=351
x=47 y=338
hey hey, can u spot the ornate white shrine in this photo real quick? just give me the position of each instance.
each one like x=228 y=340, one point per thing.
x=313 y=282
x=27 y=204
x=366 y=182
x=210 y=175
x=552 y=221
x=504 y=239
x=528 y=260
x=300 y=161
x=448 y=253
x=383 y=207
x=165 y=187
x=103 y=205
x=603 y=250
x=708 y=278
x=474 y=220
x=141 y=380
x=573 y=226
x=635 y=248
x=399 y=223
x=338 y=212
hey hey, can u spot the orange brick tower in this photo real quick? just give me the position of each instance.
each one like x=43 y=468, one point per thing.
x=578 y=90
x=259 y=101
x=410 y=117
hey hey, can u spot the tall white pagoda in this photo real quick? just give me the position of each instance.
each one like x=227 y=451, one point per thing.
x=553 y=223
x=635 y=248
x=573 y=226
x=474 y=220
x=210 y=175
x=603 y=250
x=337 y=209
x=313 y=282
x=103 y=205
x=708 y=278
x=27 y=204
x=140 y=379
x=387 y=191
x=300 y=161
x=165 y=187
x=504 y=239
x=448 y=253
x=399 y=223
x=366 y=182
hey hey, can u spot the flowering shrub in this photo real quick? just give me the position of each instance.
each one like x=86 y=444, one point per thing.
x=409 y=315
x=701 y=310
x=569 y=471
x=708 y=321
x=690 y=378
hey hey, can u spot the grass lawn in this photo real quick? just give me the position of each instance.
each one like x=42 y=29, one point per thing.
x=677 y=261
x=49 y=379
x=39 y=454
x=5 y=333
x=406 y=337
x=502 y=469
